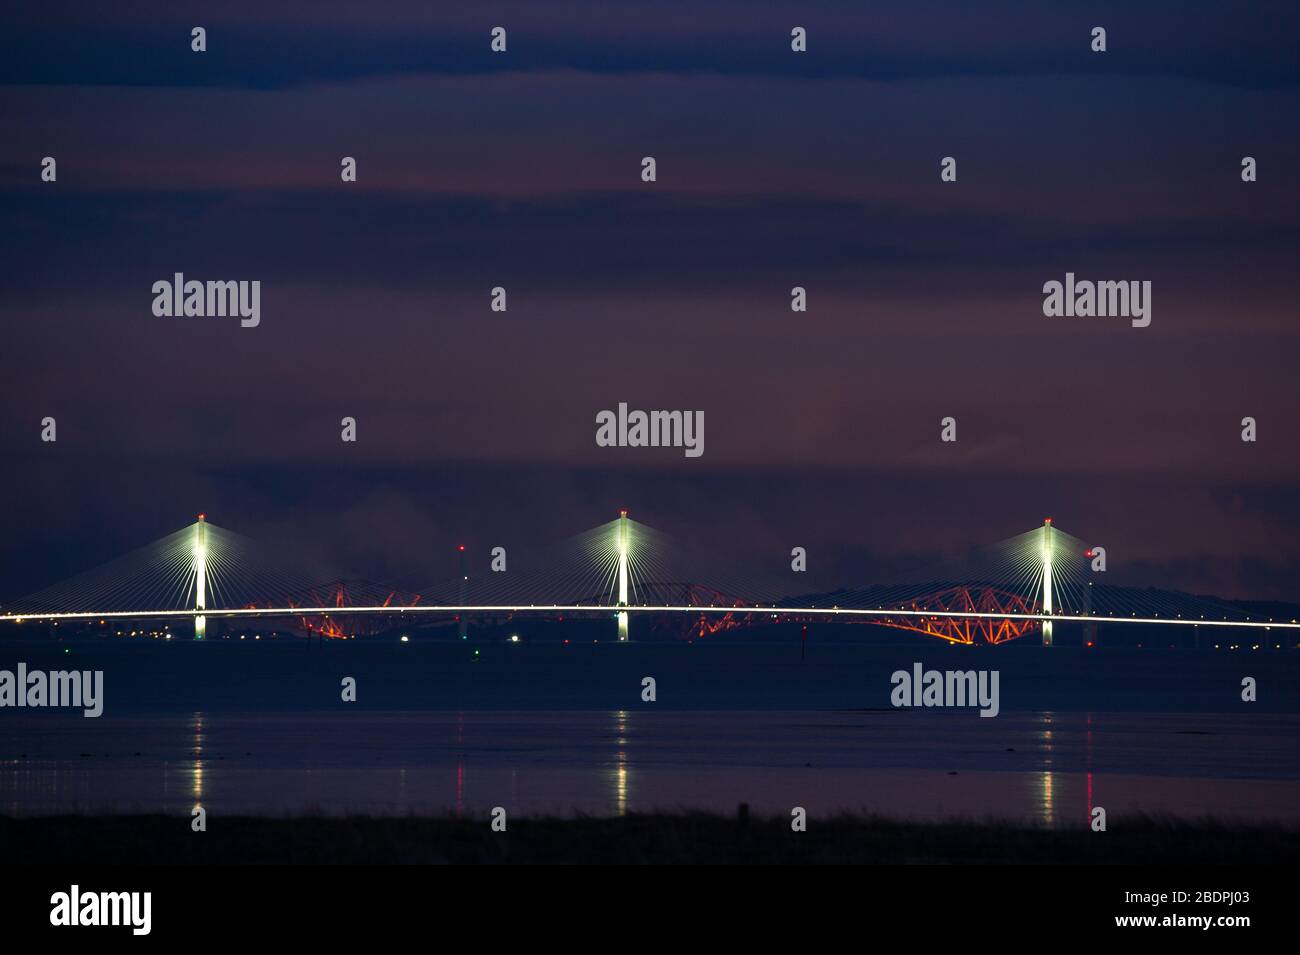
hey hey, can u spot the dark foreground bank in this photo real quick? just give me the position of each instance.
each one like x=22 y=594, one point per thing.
x=657 y=838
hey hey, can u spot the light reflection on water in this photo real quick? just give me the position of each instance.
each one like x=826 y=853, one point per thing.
x=1047 y=807
x=196 y=769
x=620 y=762
x=1051 y=768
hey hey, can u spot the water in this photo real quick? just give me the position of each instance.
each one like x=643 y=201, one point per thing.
x=1044 y=767
x=451 y=727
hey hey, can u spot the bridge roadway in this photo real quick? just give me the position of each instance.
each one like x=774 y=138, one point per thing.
x=630 y=608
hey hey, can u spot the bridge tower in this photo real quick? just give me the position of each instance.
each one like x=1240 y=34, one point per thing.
x=621 y=541
x=200 y=576
x=1047 y=580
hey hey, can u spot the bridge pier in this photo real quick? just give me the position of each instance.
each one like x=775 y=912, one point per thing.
x=621 y=541
x=200 y=576
x=1047 y=580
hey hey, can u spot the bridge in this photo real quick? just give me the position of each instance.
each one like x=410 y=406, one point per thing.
x=1022 y=586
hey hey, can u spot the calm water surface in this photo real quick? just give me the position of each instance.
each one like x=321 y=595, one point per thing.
x=1044 y=767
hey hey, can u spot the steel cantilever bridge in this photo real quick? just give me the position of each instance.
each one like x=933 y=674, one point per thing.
x=1016 y=588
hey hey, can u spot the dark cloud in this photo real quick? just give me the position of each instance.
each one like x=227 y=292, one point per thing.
x=775 y=170
x=260 y=45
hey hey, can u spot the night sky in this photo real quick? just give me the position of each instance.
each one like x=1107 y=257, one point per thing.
x=775 y=169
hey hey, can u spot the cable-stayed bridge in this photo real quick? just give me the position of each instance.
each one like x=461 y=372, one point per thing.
x=1016 y=588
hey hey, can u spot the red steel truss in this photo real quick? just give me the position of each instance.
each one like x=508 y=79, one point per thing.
x=966 y=599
